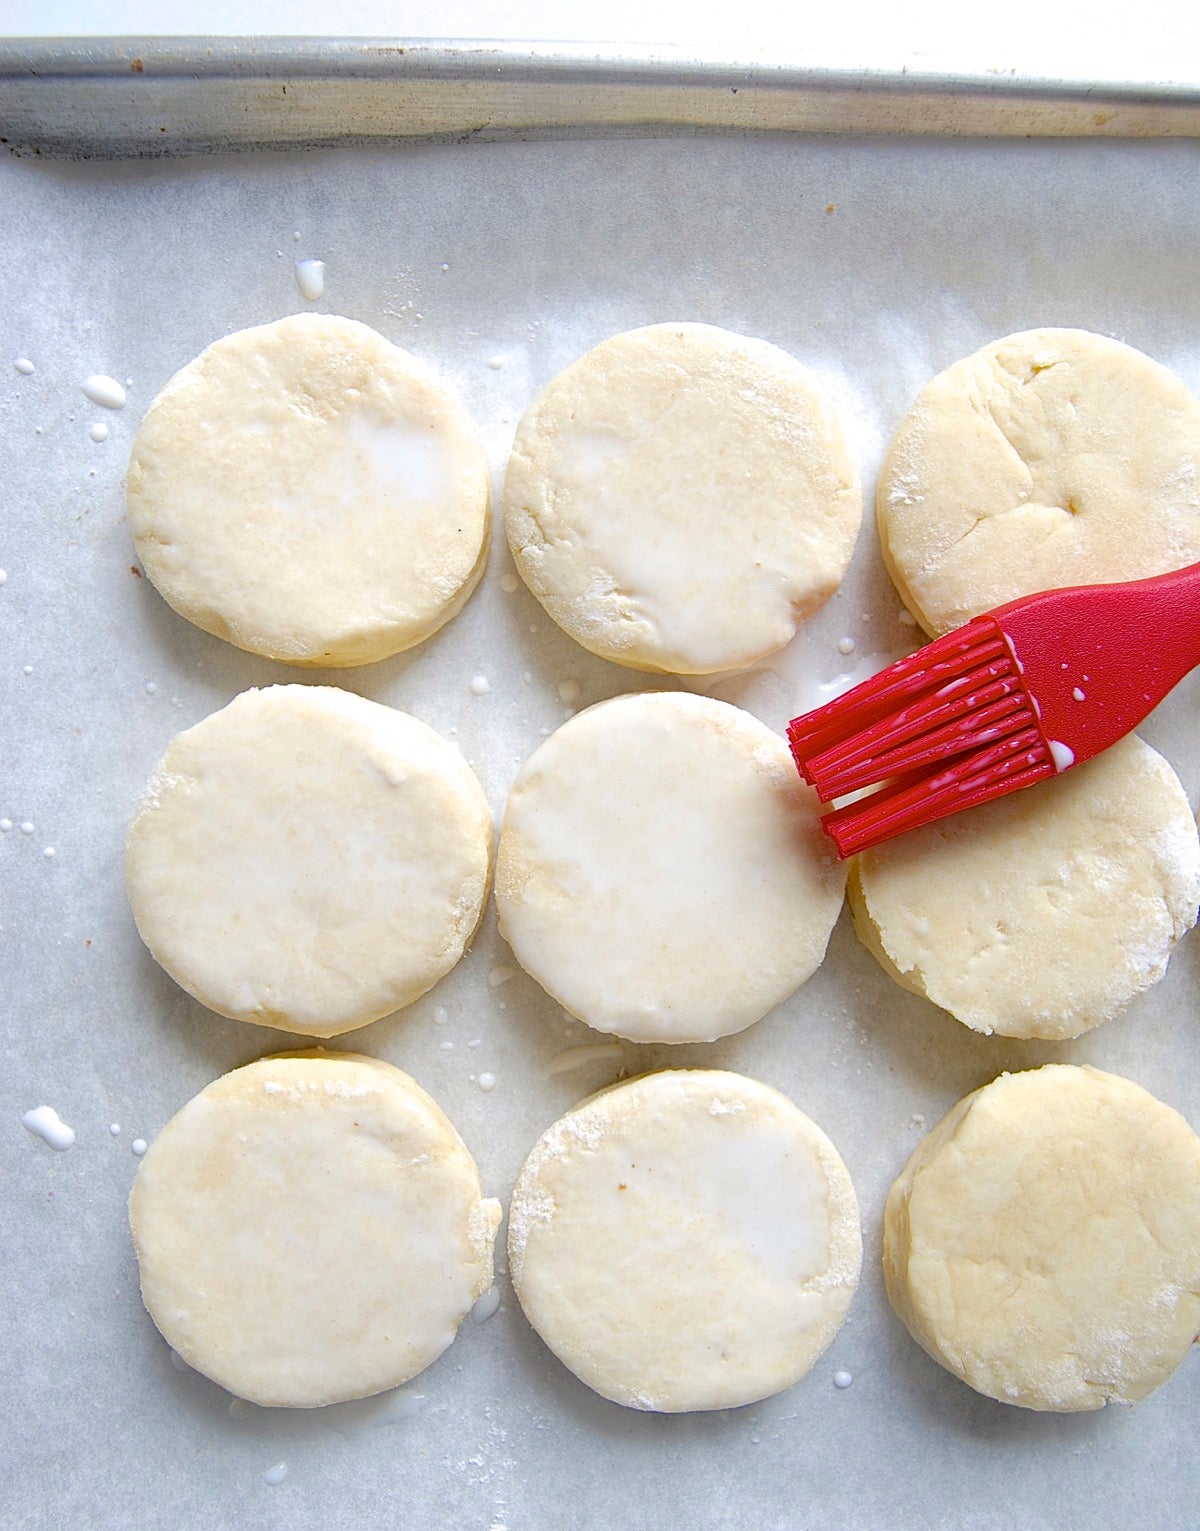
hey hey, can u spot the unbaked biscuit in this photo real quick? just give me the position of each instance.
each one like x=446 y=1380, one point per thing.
x=309 y=491
x=310 y=1228
x=1052 y=457
x=662 y=871
x=686 y=1240
x=308 y=859
x=681 y=499
x=1044 y=913
x=1043 y=1241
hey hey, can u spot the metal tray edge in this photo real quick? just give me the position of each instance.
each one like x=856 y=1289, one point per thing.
x=151 y=97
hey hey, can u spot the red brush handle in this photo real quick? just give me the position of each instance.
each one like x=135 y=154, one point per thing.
x=1098 y=658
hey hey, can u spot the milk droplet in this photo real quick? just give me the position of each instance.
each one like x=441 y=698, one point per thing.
x=842 y=1379
x=138 y=1147
x=445 y=265
x=5 y=826
x=846 y=645
x=1080 y=696
x=151 y=687
x=26 y=669
x=275 y=1475
x=447 y=1046
x=49 y=853
x=509 y=583
x=1062 y=755
x=3 y=576
x=487 y=1081
x=495 y=362
x=27 y=827
x=310 y=278
x=480 y=685
x=24 y=366
x=45 y=1123
x=569 y=690
x=440 y=1015
x=486 y=1305
x=475 y=1042
x=99 y=431
x=104 y=390
x=296 y=236
x=115 y=1129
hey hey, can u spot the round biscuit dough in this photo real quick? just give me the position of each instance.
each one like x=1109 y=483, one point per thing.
x=308 y=859
x=1044 y=913
x=1043 y=1241
x=681 y=499
x=1051 y=457
x=310 y=1228
x=686 y=1240
x=662 y=871
x=309 y=491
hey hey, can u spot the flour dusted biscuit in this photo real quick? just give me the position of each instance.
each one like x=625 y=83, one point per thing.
x=1044 y=913
x=662 y=871
x=1052 y=457
x=310 y=1228
x=1043 y=1241
x=686 y=1240
x=681 y=499
x=308 y=859
x=309 y=491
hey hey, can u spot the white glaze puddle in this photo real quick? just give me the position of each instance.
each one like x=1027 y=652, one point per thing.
x=104 y=390
x=588 y=1052
x=45 y=1123
x=310 y=278
x=486 y=1305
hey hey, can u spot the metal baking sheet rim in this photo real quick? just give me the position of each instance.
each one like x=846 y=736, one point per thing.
x=136 y=98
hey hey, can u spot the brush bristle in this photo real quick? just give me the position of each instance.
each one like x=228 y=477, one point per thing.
x=940 y=730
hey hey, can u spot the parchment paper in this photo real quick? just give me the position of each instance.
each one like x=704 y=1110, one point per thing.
x=876 y=263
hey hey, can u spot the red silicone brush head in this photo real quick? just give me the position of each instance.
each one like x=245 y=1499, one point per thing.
x=941 y=730
x=1028 y=690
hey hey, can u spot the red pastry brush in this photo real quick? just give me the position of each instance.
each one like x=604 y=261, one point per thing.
x=1016 y=695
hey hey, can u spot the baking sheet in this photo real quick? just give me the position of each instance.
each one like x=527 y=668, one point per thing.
x=876 y=262
x=148 y=97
